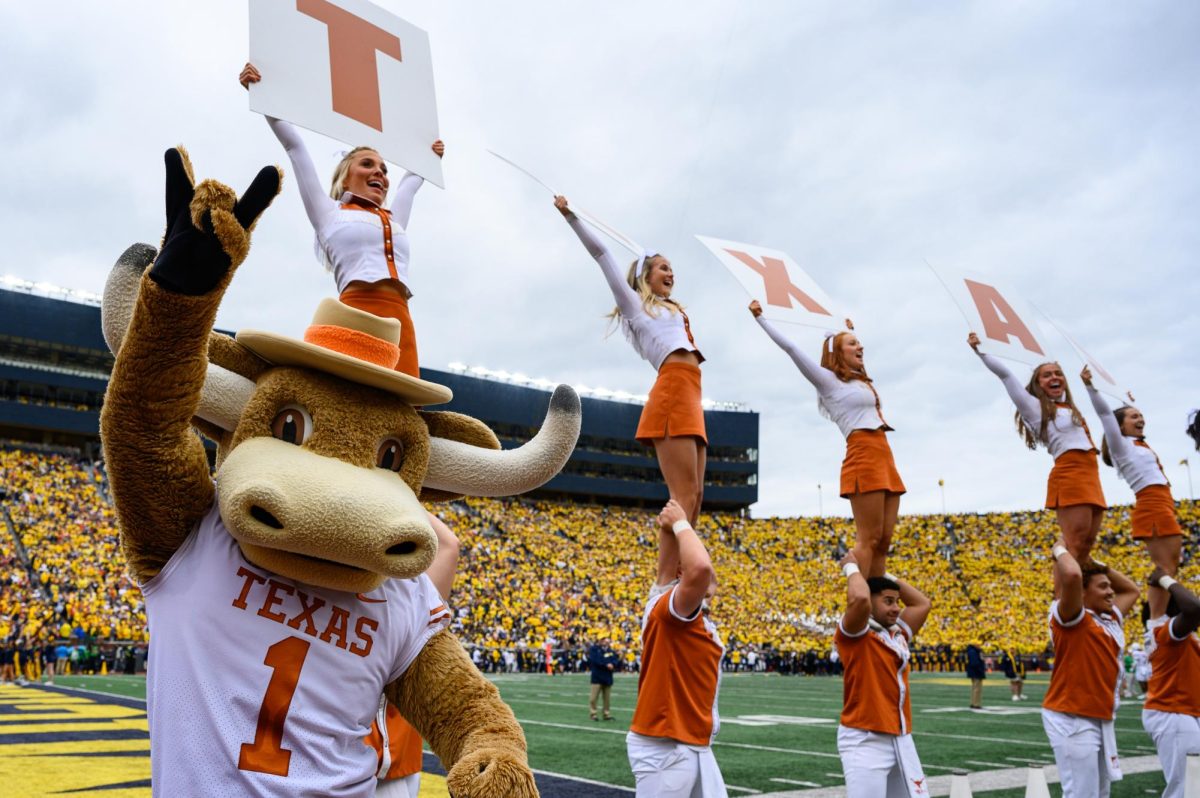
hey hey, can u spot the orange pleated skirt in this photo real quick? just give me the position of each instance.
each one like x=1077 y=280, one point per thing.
x=1154 y=513
x=389 y=305
x=869 y=465
x=673 y=408
x=1075 y=479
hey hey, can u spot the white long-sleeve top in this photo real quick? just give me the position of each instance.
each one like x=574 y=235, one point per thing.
x=1136 y=462
x=652 y=336
x=351 y=241
x=852 y=404
x=1063 y=433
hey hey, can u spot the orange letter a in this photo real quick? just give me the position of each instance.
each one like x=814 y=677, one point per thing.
x=1000 y=321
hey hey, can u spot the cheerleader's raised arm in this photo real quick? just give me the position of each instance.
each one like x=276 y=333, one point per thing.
x=1118 y=444
x=626 y=298
x=1029 y=407
x=821 y=378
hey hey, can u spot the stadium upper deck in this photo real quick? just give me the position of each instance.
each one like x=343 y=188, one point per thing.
x=54 y=367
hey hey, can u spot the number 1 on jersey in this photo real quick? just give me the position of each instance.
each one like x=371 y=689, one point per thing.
x=267 y=754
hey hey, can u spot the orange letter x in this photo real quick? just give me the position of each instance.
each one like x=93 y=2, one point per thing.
x=780 y=290
x=353 y=43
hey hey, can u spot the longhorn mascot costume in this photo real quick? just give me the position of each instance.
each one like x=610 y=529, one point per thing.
x=287 y=595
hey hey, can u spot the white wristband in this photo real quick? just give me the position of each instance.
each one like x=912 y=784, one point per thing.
x=1059 y=551
x=849 y=568
x=680 y=525
x=890 y=577
x=1165 y=582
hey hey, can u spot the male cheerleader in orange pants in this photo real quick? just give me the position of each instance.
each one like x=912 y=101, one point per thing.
x=675 y=720
x=1171 y=714
x=1077 y=712
x=883 y=615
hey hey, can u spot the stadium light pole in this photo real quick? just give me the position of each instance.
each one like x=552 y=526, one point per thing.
x=942 y=486
x=1191 y=493
x=820 y=502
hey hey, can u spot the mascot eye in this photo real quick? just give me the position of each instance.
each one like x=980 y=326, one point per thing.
x=293 y=425
x=391 y=455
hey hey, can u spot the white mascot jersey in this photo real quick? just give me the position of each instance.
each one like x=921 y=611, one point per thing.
x=260 y=686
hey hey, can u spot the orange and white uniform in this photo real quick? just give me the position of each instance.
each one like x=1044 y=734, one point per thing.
x=652 y=336
x=875 y=732
x=855 y=407
x=1171 y=714
x=673 y=408
x=398 y=749
x=1137 y=464
x=350 y=234
x=305 y=668
x=676 y=717
x=360 y=242
x=1078 y=710
x=1075 y=478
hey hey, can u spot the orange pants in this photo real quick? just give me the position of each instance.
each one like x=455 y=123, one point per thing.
x=389 y=305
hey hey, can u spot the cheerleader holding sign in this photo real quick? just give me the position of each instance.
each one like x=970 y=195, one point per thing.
x=657 y=327
x=363 y=243
x=1046 y=414
x=1124 y=447
x=869 y=476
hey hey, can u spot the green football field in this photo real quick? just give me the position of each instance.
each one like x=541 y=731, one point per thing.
x=777 y=736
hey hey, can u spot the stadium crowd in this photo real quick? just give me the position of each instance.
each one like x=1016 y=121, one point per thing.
x=538 y=573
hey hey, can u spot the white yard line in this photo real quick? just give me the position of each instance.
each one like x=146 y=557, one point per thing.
x=981 y=781
x=582 y=780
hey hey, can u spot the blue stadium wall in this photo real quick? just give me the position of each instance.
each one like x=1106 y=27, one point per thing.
x=43 y=341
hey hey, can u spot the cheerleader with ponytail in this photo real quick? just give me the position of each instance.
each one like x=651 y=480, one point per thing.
x=846 y=396
x=658 y=329
x=1046 y=415
x=1124 y=447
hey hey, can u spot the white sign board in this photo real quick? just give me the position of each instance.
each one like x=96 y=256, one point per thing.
x=349 y=70
x=786 y=292
x=1102 y=378
x=1005 y=323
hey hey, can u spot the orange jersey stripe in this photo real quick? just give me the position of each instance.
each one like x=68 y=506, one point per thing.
x=681 y=671
x=1175 y=672
x=875 y=682
x=1086 y=667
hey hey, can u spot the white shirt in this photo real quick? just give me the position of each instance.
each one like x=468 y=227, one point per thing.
x=350 y=241
x=851 y=404
x=652 y=337
x=226 y=635
x=1137 y=465
x=1063 y=433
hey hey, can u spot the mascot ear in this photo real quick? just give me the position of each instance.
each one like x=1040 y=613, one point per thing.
x=454 y=427
x=458 y=467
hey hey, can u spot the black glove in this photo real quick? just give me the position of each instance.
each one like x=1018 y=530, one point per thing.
x=194 y=260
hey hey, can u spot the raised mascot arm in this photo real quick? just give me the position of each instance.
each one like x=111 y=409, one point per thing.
x=156 y=465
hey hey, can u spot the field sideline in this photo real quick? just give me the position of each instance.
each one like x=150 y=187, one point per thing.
x=777 y=737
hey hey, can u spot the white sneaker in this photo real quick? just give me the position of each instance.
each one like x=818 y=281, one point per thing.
x=1016 y=698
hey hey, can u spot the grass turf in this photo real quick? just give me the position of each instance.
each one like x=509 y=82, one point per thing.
x=778 y=733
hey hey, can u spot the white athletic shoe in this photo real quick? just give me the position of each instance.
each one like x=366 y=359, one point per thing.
x=1016 y=698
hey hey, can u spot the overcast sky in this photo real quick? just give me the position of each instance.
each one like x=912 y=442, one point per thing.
x=1053 y=145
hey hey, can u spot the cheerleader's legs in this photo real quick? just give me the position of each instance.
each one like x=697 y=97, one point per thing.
x=1080 y=524
x=682 y=460
x=875 y=515
x=1165 y=553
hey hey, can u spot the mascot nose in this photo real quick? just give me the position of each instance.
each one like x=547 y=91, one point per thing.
x=403 y=547
x=264 y=516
